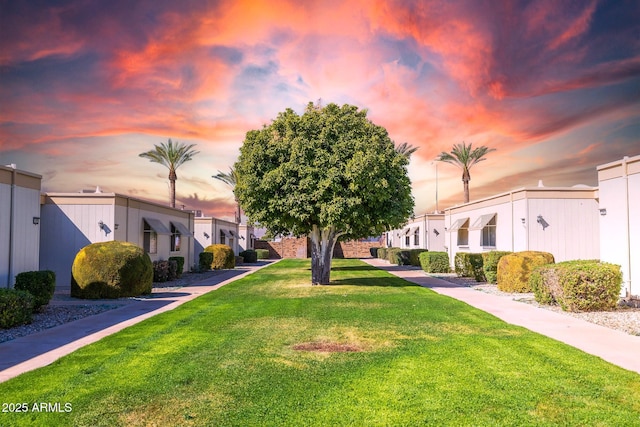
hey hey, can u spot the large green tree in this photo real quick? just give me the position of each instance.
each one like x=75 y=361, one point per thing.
x=172 y=156
x=329 y=173
x=464 y=156
x=231 y=178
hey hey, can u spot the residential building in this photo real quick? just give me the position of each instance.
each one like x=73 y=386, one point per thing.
x=210 y=231
x=561 y=220
x=247 y=237
x=619 y=189
x=19 y=223
x=425 y=231
x=71 y=221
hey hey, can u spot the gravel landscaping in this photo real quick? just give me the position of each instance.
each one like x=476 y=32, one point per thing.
x=625 y=318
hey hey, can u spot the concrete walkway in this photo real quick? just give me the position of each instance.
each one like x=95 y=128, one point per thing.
x=43 y=348
x=613 y=346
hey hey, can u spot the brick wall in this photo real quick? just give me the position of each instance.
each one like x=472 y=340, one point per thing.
x=291 y=247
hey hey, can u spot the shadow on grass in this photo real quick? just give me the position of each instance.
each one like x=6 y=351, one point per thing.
x=355 y=268
x=388 y=282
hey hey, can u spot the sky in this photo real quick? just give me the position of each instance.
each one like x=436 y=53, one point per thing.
x=87 y=85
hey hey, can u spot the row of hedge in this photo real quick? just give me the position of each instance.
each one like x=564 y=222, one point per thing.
x=32 y=291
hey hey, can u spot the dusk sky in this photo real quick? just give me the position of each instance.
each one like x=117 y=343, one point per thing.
x=85 y=86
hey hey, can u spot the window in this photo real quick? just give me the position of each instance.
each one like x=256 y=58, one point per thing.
x=223 y=237
x=463 y=234
x=407 y=240
x=175 y=239
x=150 y=240
x=416 y=237
x=489 y=234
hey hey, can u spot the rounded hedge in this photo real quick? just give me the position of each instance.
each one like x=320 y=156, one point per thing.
x=249 y=255
x=262 y=253
x=40 y=284
x=223 y=256
x=16 y=307
x=514 y=269
x=111 y=270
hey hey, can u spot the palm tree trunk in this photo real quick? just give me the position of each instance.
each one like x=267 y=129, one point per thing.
x=466 y=191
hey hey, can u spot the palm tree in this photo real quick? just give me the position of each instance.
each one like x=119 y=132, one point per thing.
x=406 y=149
x=231 y=179
x=172 y=156
x=464 y=157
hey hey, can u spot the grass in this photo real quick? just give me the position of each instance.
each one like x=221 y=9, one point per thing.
x=229 y=358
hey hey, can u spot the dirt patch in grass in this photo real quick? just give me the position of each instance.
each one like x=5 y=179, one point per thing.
x=327 y=347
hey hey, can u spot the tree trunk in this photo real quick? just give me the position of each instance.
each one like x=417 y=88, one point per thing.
x=466 y=177
x=322 y=244
x=172 y=184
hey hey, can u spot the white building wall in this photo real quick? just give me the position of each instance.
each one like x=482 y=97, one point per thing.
x=426 y=225
x=19 y=236
x=619 y=190
x=212 y=227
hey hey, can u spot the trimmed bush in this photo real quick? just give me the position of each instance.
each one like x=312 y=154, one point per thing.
x=262 y=253
x=40 y=284
x=469 y=265
x=490 y=264
x=382 y=253
x=250 y=256
x=374 y=252
x=414 y=256
x=578 y=285
x=399 y=256
x=239 y=260
x=223 y=257
x=514 y=269
x=111 y=270
x=164 y=271
x=179 y=265
x=16 y=307
x=435 y=262
x=205 y=260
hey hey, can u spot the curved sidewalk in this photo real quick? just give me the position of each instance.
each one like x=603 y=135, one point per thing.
x=613 y=346
x=43 y=348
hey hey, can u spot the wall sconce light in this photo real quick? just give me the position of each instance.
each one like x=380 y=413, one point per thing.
x=206 y=236
x=522 y=219
x=542 y=222
x=36 y=220
x=603 y=212
x=115 y=226
x=104 y=227
x=436 y=232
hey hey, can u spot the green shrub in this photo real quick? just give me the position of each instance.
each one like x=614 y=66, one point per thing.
x=223 y=257
x=490 y=264
x=111 y=270
x=374 y=252
x=40 y=284
x=16 y=307
x=250 y=256
x=179 y=265
x=578 y=285
x=514 y=269
x=239 y=260
x=205 y=260
x=435 y=262
x=382 y=253
x=414 y=256
x=164 y=271
x=262 y=253
x=469 y=265
x=398 y=256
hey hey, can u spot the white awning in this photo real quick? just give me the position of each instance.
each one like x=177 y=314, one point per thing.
x=405 y=231
x=181 y=228
x=482 y=221
x=413 y=230
x=458 y=224
x=157 y=226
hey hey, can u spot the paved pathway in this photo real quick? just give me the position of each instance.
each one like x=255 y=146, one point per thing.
x=613 y=346
x=40 y=349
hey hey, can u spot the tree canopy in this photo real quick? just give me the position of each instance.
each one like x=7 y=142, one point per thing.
x=329 y=173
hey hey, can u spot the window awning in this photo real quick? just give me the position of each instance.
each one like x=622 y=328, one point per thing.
x=406 y=231
x=181 y=228
x=157 y=226
x=414 y=230
x=224 y=233
x=458 y=224
x=482 y=221
x=253 y=236
x=232 y=233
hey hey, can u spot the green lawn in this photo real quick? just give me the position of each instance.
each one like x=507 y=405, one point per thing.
x=229 y=358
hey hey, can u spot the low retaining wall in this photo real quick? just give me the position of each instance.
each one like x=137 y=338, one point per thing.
x=300 y=247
